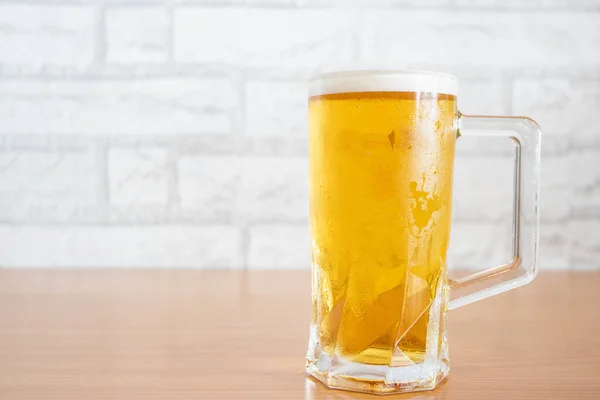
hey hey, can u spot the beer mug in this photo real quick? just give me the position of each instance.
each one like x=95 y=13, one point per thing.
x=381 y=156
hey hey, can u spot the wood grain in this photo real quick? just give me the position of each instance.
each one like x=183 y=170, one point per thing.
x=123 y=334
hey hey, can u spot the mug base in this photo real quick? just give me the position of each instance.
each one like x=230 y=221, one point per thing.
x=337 y=373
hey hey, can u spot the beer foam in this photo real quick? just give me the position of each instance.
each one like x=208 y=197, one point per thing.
x=383 y=81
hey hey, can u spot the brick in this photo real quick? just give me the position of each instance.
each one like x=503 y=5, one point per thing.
x=555 y=145
x=240 y=3
x=374 y=3
x=58 y=143
x=207 y=144
x=273 y=190
x=555 y=187
x=561 y=107
x=483 y=211
x=248 y=189
x=138 y=177
x=310 y=39
x=510 y=41
x=208 y=186
x=479 y=245
x=215 y=144
x=584 y=248
x=118 y=246
x=279 y=247
x=276 y=108
x=554 y=246
x=34 y=37
x=282 y=146
x=584 y=179
x=528 y=4
x=482 y=97
x=483 y=189
x=137 y=34
x=55 y=187
x=478 y=146
x=160 y=106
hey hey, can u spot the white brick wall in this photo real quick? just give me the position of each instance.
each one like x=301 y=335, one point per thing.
x=154 y=106
x=562 y=106
x=138 y=177
x=49 y=187
x=274 y=246
x=208 y=186
x=275 y=108
x=504 y=41
x=173 y=133
x=273 y=190
x=128 y=41
x=33 y=37
x=114 y=246
x=263 y=38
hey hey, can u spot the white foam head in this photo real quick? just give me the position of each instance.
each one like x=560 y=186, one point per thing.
x=383 y=81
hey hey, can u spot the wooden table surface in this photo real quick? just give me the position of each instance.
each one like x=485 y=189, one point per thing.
x=187 y=334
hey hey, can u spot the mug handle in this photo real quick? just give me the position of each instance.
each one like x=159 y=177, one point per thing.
x=522 y=268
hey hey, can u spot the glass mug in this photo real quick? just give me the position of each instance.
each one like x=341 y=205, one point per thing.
x=381 y=156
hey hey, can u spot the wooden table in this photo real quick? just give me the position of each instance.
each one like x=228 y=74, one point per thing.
x=126 y=334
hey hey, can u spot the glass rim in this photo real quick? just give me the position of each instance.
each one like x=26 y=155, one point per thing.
x=379 y=80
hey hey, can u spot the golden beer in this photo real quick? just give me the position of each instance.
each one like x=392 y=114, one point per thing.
x=380 y=201
x=381 y=157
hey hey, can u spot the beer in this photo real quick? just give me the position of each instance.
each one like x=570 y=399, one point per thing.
x=381 y=167
x=381 y=158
